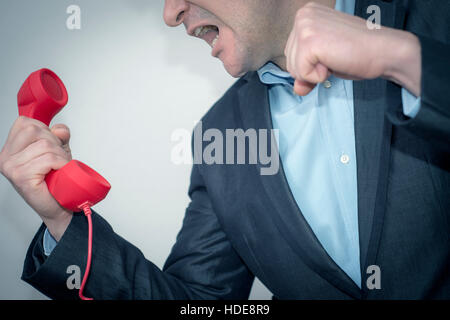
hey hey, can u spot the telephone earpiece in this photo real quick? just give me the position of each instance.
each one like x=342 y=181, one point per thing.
x=75 y=186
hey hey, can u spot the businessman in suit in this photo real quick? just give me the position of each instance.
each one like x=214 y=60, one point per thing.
x=363 y=115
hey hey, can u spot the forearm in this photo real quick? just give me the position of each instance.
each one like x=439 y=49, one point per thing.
x=403 y=60
x=57 y=226
x=433 y=120
x=119 y=271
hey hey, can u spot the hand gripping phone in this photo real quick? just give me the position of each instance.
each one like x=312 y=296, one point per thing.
x=75 y=186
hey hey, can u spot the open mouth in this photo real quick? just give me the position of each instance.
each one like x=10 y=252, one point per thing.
x=208 y=33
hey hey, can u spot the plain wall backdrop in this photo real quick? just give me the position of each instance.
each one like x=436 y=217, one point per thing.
x=132 y=81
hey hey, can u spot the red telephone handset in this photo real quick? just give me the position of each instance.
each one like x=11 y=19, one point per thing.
x=75 y=186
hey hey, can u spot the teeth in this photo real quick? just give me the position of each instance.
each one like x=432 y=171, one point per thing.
x=201 y=31
x=198 y=31
x=215 y=41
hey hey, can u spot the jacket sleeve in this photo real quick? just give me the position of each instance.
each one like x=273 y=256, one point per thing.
x=432 y=122
x=202 y=264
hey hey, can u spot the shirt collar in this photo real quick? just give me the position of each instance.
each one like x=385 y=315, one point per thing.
x=271 y=74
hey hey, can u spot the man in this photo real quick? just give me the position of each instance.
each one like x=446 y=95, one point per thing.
x=365 y=180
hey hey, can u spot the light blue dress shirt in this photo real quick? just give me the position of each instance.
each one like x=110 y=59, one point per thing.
x=49 y=243
x=317 y=149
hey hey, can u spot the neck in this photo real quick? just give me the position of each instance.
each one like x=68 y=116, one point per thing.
x=280 y=59
x=281 y=62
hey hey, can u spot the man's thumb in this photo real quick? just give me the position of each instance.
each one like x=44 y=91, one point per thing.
x=62 y=132
x=302 y=88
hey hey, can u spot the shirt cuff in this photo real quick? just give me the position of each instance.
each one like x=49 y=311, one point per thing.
x=49 y=243
x=411 y=104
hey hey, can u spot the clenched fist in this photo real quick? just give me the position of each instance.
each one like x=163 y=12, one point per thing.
x=31 y=151
x=324 y=41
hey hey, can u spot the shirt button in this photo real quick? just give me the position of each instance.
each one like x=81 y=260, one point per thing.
x=345 y=159
x=327 y=84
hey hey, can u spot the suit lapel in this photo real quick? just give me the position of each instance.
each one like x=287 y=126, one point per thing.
x=254 y=112
x=373 y=139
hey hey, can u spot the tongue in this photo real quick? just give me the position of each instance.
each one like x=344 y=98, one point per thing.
x=210 y=36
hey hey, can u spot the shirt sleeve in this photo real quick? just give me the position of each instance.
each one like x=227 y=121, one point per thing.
x=48 y=242
x=411 y=104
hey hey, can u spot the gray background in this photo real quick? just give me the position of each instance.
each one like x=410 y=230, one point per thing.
x=132 y=82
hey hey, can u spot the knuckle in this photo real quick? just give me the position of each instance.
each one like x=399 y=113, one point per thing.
x=50 y=157
x=45 y=144
x=307 y=29
x=310 y=5
x=21 y=121
x=12 y=172
x=306 y=11
x=31 y=129
x=307 y=33
x=299 y=14
x=7 y=167
x=305 y=21
x=15 y=176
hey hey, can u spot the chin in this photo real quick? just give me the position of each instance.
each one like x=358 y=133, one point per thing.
x=235 y=71
x=235 y=57
x=235 y=66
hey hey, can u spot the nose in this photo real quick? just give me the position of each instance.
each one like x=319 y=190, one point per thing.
x=174 y=11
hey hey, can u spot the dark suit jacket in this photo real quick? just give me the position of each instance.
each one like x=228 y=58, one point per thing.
x=240 y=224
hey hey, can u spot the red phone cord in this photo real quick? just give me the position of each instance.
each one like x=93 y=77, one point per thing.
x=87 y=212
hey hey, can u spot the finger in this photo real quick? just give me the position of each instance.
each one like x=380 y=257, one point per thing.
x=303 y=88
x=62 y=132
x=309 y=68
x=36 y=149
x=288 y=50
x=318 y=74
x=293 y=57
x=28 y=135
x=297 y=59
x=42 y=165
x=23 y=122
